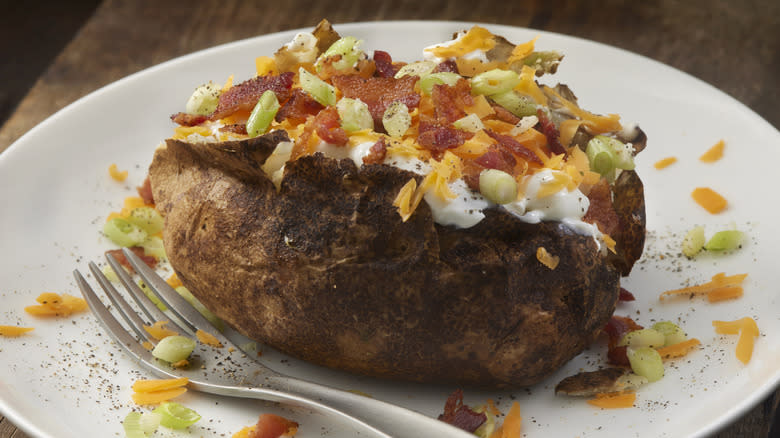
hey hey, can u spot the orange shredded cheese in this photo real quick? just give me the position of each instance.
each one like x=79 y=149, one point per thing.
x=719 y=281
x=208 y=339
x=477 y=38
x=614 y=400
x=609 y=241
x=159 y=331
x=665 y=162
x=405 y=200
x=511 y=427
x=52 y=304
x=151 y=385
x=157 y=397
x=546 y=258
x=116 y=174
x=709 y=199
x=154 y=391
x=174 y=281
x=714 y=153
x=725 y=293
x=748 y=332
x=265 y=65
x=522 y=50
x=529 y=87
x=567 y=130
x=481 y=107
x=182 y=132
x=228 y=84
x=244 y=432
x=678 y=350
x=594 y=123
x=13 y=331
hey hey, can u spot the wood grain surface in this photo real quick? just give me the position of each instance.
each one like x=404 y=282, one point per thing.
x=735 y=46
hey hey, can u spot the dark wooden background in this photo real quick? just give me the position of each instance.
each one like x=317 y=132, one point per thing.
x=54 y=52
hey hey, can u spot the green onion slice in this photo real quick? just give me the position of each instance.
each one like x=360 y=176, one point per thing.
x=354 y=115
x=147 y=218
x=516 y=104
x=349 y=49
x=320 y=90
x=646 y=362
x=174 y=348
x=203 y=100
x=124 y=233
x=693 y=241
x=494 y=82
x=152 y=296
x=420 y=68
x=262 y=114
x=498 y=186
x=396 y=119
x=442 y=78
x=471 y=123
x=673 y=334
x=724 y=240
x=643 y=338
x=153 y=246
x=176 y=416
x=194 y=302
x=132 y=425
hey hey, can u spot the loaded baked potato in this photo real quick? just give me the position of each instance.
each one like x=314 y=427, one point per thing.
x=383 y=251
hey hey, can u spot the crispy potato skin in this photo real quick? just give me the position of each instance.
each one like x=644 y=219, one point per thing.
x=325 y=270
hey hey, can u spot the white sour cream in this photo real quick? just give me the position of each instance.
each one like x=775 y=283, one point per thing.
x=475 y=54
x=464 y=211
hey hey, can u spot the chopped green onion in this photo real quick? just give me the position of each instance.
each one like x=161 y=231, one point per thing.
x=396 y=119
x=631 y=381
x=646 y=362
x=132 y=425
x=498 y=186
x=148 y=218
x=203 y=100
x=262 y=114
x=487 y=428
x=724 y=240
x=153 y=246
x=194 y=302
x=643 y=338
x=320 y=90
x=109 y=273
x=607 y=154
x=152 y=296
x=471 y=123
x=354 y=115
x=494 y=82
x=173 y=348
x=516 y=104
x=443 y=78
x=123 y=233
x=176 y=416
x=693 y=241
x=673 y=334
x=420 y=68
x=150 y=421
x=546 y=61
x=349 y=49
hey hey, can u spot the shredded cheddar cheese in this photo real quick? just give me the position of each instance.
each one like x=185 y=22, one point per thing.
x=405 y=200
x=748 y=332
x=709 y=199
x=522 y=50
x=155 y=391
x=159 y=331
x=116 y=174
x=208 y=339
x=52 y=304
x=13 y=331
x=719 y=282
x=714 y=153
x=614 y=400
x=547 y=259
x=477 y=38
x=665 y=162
x=679 y=349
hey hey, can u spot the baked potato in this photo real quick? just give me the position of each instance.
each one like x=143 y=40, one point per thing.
x=315 y=260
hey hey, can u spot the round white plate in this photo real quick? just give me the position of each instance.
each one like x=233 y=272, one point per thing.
x=67 y=380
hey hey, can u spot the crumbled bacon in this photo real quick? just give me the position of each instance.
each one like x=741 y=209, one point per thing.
x=245 y=95
x=601 y=210
x=273 y=426
x=504 y=115
x=384 y=64
x=449 y=66
x=137 y=250
x=236 y=128
x=616 y=328
x=379 y=93
x=438 y=138
x=514 y=146
x=625 y=295
x=551 y=132
x=497 y=158
x=460 y=415
x=377 y=152
x=185 y=119
x=299 y=106
x=449 y=102
x=471 y=170
x=145 y=191
x=328 y=127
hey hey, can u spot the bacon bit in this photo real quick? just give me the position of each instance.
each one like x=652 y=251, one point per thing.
x=298 y=107
x=448 y=66
x=185 y=119
x=244 y=96
x=145 y=191
x=513 y=146
x=377 y=152
x=379 y=93
x=677 y=350
x=618 y=356
x=116 y=174
x=709 y=199
x=159 y=331
x=52 y=304
x=719 y=281
x=497 y=158
x=504 y=115
x=208 y=339
x=13 y=331
x=625 y=295
x=138 y=251
x=273 y=426
x=614 y=400
x=460 y=415
x=450 y=102
x=664 y=163
x=616 y=328
x=384 y=64
x=714 y=153
x=328 y=127
x=748 y=331
x=236 y=128
x=551 y=132
x=546 y=258
x=438 y=138
x=601 y=210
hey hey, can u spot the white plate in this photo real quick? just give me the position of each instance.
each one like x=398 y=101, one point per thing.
x=66 y=380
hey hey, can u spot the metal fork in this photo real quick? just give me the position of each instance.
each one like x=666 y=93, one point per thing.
x=228 y=370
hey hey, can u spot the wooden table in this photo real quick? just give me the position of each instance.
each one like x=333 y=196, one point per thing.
x=734 y=46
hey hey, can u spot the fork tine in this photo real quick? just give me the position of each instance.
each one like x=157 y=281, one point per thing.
x=176 y=304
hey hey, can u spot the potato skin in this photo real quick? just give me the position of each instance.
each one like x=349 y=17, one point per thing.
x=326 y=271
